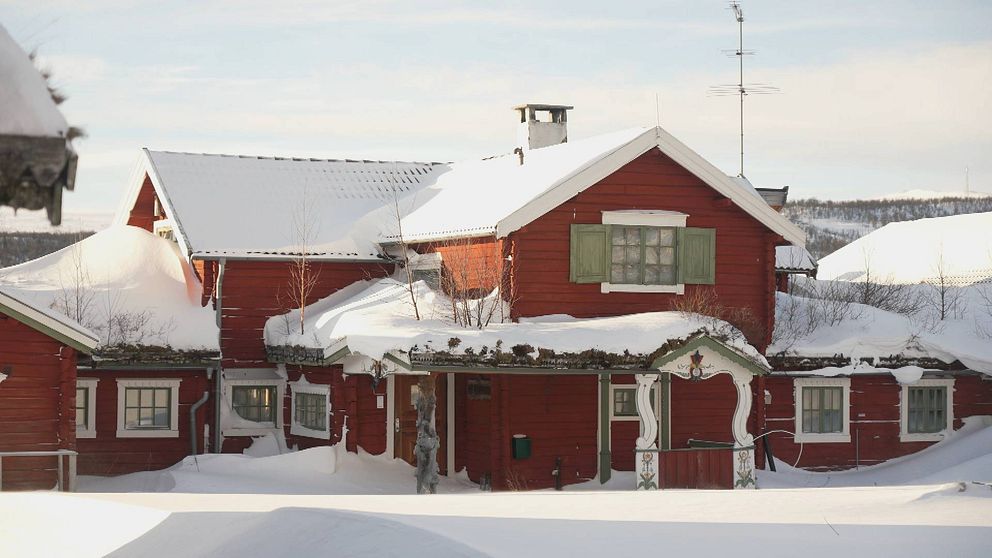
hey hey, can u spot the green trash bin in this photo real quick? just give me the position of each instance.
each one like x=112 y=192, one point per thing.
x=520 y=446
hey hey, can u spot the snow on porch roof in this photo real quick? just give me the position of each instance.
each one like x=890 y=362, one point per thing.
x=242 y=206
x=50 y=323
x=500 y=195
x=375 y=318
x=793 y=259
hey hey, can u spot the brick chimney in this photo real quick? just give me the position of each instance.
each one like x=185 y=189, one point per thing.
x=535 y=133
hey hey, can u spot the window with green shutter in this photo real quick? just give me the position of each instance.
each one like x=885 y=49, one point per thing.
x=642 y=255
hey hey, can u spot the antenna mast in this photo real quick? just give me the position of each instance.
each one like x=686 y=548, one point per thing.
x=740 y=89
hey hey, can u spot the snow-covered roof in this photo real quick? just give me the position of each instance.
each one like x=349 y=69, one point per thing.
x=47 y=321
x=868 y=332
x=26 y=106
x=124 y=283
x=499 y=195
x=917 y=251
x=241 y=206
x=794 y=258
x=375 y=318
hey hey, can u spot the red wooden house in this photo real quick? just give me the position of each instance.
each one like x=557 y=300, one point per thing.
x=41 y=406
x=628 y=231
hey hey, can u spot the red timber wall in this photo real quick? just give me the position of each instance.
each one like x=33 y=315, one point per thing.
x=143 y=211
x=106 y=454
x=557 y=412
x=745 y=249
x=875 y=419
x=253 y=291
x=352 y=397
x=473 y=264
x=37 y=403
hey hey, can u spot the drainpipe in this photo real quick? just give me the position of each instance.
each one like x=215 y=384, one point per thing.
x=219 y=373
x=192 y=421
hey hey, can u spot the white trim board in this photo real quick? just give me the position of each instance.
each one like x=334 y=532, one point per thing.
x=32 y=316
x=904 y=434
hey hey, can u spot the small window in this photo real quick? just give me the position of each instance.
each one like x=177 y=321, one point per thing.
x=82 y=408
x=642 y=255
x=254 y=403
x=85 y=407
x=624 y=402
x=479 y=389
x=311 y=411
x=147 y=408
x=823 y=409
x=926 y=411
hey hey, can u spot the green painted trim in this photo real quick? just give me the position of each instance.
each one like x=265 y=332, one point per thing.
x=709 y=342
x=698 y=247
x=605 y=455
x=396 y=361
x=664 y=430
x=38 y=326
x=596 y=240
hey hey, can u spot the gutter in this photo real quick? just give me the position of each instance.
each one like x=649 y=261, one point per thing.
x=192 y=422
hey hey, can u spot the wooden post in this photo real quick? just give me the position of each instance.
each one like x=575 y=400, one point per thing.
x=427 y=439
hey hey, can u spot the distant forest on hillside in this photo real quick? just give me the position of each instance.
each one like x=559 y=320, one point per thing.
x=18 y=247
x=831 y=225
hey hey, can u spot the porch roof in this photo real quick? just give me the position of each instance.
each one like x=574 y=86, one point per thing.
x=375 y=319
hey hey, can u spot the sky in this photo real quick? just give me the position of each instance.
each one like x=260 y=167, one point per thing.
x=876 y=98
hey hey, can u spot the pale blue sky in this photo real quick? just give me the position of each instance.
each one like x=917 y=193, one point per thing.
x=876 y=98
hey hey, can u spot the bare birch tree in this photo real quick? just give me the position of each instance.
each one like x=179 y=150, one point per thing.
x=303 y=275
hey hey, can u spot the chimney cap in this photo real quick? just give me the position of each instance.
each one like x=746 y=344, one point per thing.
x=542 y=106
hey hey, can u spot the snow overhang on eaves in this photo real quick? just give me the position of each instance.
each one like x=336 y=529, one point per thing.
x=599 y=169
x=55 y=326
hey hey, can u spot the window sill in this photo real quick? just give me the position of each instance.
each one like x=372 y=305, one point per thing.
x=300 y=430
x=85 y=434
x=147 y=433
x=261 y=431
x=808 y=438
x=606 y=288
x=922 y=437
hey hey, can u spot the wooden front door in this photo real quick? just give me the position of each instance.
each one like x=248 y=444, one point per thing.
x=405 y=424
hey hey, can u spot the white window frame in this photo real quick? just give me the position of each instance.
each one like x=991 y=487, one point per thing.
x=263 y=427
x=171 y=383
x=644 y=218
x=655 y=387
x=298 y=429
x=90 y=385
x=814 y=437
x=904 y=434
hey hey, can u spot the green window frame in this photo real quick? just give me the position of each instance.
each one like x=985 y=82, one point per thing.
x=82 y=408
x=311 y=410
x=643 y=255
x=254 y=403
x=927 y=409
x=823 y=409
x=147 y=408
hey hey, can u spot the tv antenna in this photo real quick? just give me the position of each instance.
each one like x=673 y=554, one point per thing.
x=741 y=89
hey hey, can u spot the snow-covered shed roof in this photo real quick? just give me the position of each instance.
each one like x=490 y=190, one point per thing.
x=917 y=251
x=375 y=318
x=499 y=195
x=26 y=106
x=794 y=259
x=240 y=206
x=123 y=276
x=50 y=323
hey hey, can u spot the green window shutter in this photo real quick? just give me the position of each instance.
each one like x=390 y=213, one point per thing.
x=590 y=262
x=697 y=256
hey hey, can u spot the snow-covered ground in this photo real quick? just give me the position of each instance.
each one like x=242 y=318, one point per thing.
x=318 y=502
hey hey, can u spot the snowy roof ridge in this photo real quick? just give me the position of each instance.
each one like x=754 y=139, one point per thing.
x=290 y=158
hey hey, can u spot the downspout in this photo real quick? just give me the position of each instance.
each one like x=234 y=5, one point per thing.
x=219 y=378
x=192 y=421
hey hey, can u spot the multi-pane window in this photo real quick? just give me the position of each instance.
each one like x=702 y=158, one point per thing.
x=625 y=401
x=311 y=410
x=82 y=408
x=822 y=410
x=642 y=255
x=254 y=403
x=927 y=412
x=147 y=408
